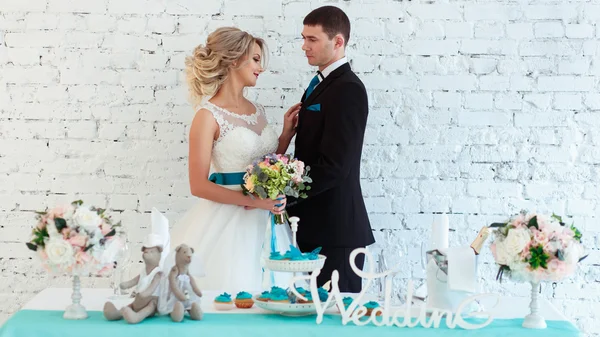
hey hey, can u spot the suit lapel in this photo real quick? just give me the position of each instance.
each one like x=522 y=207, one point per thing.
x=325 y=83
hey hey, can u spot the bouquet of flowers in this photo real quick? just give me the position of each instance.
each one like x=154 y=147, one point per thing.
x=277 y=174
x=74 y=239
x=535 y=247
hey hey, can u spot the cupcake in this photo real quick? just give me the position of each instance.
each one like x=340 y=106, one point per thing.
x=223 y=302
x=243 y=300
x=372 y=305
x=279 y=298
x=323 y=294
x=277 y=290
x=276 y=256
x=292 y=296
x=347 y=301
x=265 y=296
x=308 y=298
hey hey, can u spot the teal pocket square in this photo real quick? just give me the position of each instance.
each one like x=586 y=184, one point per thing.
x=314 y=107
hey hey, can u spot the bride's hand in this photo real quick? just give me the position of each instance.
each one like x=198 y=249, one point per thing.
x=275 y=206
x=290 y=120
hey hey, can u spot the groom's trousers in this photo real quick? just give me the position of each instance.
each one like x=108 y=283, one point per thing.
x=339 y=259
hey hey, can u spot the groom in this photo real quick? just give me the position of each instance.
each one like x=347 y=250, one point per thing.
x=329 y=139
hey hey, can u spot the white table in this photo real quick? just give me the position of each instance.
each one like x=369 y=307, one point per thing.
x=94 y=299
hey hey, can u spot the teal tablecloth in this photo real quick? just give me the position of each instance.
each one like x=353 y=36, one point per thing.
x=38 y=323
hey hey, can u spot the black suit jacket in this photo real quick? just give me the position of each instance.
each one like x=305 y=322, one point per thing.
x=330 y=142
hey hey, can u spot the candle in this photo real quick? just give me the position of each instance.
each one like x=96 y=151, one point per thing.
x=439 y=232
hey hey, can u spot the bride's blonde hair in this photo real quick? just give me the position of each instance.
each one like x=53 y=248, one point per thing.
x=210 y=64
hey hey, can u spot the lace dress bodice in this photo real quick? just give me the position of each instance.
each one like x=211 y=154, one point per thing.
x=242 y=138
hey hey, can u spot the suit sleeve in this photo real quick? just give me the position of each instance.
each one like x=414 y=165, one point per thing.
x=341 y=144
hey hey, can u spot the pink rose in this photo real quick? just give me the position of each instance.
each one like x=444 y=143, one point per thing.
x=284 y=160
x=61 y=211
x=105 y=228
x=42 y=223
x=57 y=212
x=567 y=233
x=542 y=222
x=557 y=269
x=552 y=246
x=564 y=237
x=78 y=241
x=82 y=257
x=540 y=237
x=525 y=253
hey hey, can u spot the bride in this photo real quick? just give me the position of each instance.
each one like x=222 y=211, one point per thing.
x=229 y=231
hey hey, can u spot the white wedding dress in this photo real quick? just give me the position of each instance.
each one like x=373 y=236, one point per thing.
x=230 y=241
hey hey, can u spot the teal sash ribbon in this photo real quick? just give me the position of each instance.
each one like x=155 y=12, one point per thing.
x=231 y=178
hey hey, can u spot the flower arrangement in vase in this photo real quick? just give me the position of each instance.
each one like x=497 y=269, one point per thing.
x=534 y=248
x=76 y=240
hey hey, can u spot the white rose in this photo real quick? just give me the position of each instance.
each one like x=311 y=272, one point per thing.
x=549 y=225
x=86 y=218
x=69 y=211
x=59 y=251
x=553 y=246
x=502 y=255
x=95 y=236
x=515 y=241
x=573 y=253
x=51 y=228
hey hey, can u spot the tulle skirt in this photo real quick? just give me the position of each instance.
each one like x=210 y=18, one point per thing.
x=232 y=244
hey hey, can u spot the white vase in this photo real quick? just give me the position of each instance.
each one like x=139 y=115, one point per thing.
x=534 y=320
x=75 y=310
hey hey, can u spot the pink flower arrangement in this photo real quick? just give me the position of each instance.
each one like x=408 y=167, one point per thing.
x=535 y=247
x=74 y=239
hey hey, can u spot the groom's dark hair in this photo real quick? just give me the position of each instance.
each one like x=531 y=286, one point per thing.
x=332 y=19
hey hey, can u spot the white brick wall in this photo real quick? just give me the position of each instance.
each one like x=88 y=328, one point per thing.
x=478 y=109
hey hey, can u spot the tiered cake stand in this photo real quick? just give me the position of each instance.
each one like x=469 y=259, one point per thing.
x=303 y=266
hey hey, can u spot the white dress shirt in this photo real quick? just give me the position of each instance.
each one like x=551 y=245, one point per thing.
x=330 y=68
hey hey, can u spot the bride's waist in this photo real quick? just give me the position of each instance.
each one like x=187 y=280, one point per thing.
x=229 y=180
x=232 y=187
